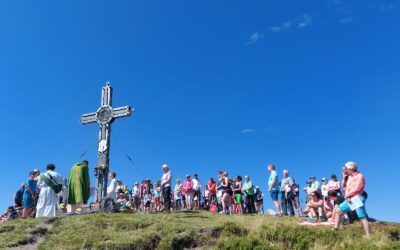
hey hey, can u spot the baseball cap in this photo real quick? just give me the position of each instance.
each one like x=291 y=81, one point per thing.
x=323 y=179
x=285 y=171
x=187 y=175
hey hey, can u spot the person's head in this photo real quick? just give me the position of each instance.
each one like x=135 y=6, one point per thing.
x=238 y=178
x=312 y=179
x=187 y=177
x=85 y=163
x=351 y=167
x=257 y=188
x=156 y=184
x=32 y=175
x=344 y=171
x=219 y=174
x=309 y=183
x=314 y=195
x=225 y=174
x=51 y=167
x=165 y=168
x=112 y=175
x=36 y=171
x=136 y=184
x=333 y=177
x=23 y=186
x=178 y=181
x=119 y=182
x=271 y=167
x=332 y=195
x=195 y=176
x=211 y=179
x=324 y=180
x=285 y=173
x=246 y=178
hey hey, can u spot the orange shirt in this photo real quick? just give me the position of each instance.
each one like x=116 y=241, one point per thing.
x=355 y=185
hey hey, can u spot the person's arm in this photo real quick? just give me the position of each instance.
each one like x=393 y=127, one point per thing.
x=15 y=199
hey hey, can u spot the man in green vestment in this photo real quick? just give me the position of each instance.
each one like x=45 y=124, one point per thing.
x=78 y=185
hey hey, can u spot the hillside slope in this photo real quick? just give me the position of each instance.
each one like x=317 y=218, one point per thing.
x=188 y=230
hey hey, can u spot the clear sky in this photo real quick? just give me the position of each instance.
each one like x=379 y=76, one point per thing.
x=229 y=85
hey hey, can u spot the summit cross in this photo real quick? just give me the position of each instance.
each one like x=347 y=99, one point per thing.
x=104 y=116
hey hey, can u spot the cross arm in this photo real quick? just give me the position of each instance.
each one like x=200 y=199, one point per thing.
x=89 y=118
x=122 y=112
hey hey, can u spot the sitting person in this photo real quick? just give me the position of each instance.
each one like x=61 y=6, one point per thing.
x=337 y=199
x=328 y=207
x=123 y=195
x=10 y=215
x=315 y=207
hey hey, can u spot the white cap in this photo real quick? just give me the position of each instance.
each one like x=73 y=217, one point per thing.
x=285 y=171
x=165 y=166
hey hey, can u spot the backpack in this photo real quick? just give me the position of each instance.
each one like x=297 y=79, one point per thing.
x=57 y=188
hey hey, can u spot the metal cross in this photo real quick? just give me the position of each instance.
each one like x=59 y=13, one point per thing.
x=105 y=116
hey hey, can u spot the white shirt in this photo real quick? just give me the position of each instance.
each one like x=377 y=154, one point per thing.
x=196 y=184
x=136 y=191
x=111 y=189
x=324 y=189
x=166 y=179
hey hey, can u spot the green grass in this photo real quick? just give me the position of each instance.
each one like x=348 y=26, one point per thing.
x=193 y=230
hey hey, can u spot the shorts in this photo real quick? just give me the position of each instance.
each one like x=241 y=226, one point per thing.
x=238 y=199
x=197 y=193
x=29 y=203
x=361 y=212
x=274 y=195
x=157 y=200
x=136 y=200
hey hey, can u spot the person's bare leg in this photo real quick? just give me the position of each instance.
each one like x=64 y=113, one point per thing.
x=278 y=207
x=365 y=223
x=338 y=218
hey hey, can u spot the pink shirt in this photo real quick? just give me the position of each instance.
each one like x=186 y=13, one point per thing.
x=333 y=185
x=187 y=187
x=355 y=185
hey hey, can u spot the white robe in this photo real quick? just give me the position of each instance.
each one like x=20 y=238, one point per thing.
x=47 y=204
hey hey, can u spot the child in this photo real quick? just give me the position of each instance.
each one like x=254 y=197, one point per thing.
x=157 y=194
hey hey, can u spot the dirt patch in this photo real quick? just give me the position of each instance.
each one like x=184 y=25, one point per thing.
x=36 y=236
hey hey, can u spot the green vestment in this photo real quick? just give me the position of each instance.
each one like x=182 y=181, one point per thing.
x=78 y=185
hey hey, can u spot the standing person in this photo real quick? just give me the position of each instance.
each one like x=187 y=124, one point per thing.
x=355 y=196
x=50 y=184
x=136 y=196
x=227 y=193
x=196 y=191
x=212 y=188
x=112 y=186
x=237 y=192
x=324 y=187
x=334 y=184
x=187 y=190
x=166 y=187
x=259 y=197
x=157 y=194
x=316 y=185
x=178 y=195
x=220 y=190
x=248 y=189
x=29 y=196
x=273 y=187
x=78 y=185
x=287 y=194
x=18 y=197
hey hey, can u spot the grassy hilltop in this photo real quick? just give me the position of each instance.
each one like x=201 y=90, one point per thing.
x=188 y=230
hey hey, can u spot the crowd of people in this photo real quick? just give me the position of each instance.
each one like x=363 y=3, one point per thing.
x=339 y=202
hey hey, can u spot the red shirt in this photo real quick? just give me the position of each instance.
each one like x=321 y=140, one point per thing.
x=212 y=185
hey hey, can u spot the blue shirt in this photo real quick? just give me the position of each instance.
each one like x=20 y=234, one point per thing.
x=272 y=177
x=32 y=184
x=19 y=195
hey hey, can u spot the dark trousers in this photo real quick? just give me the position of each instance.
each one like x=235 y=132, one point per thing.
x=287 y=203
x=166 y=191
x=250 y=207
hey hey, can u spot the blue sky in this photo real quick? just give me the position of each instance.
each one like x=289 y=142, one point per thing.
x=307 y=85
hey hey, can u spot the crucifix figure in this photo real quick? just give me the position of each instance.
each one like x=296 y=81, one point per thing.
x=104 y=116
